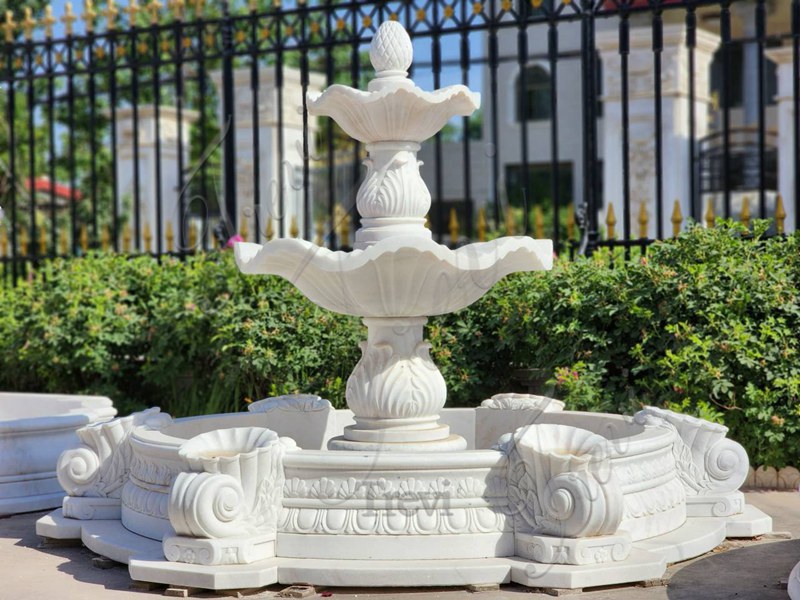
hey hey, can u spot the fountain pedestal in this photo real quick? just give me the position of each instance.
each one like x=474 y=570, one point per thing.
x=396 y=392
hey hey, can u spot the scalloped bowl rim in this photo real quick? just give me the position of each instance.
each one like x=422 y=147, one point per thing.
x=186 y=451
x=246 y=253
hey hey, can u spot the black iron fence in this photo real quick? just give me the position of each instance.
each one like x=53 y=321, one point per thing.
x=144 y=129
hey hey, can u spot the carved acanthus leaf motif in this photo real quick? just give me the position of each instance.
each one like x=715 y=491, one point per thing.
x=405 y=386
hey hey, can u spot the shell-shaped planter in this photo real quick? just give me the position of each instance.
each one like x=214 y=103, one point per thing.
x=561 y=482
x=239 y=490
x=404 y=113
x=708 y=462
x=512 y=401
x=396 y=277
x=227 y=451
x=291 y=402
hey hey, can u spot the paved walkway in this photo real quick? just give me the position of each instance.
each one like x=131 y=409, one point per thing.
x=745 y=570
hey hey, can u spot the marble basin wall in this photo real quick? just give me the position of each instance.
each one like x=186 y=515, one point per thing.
x=654 y=501
x=34 y=430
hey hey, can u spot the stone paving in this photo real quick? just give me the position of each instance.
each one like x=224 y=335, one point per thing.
x=741 y=569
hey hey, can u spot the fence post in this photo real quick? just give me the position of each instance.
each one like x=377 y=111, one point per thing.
x=590 y=97
x=229 y=123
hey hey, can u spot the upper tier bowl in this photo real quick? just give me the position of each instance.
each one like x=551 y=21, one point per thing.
x=396 y=277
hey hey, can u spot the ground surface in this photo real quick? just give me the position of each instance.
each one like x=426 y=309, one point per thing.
x=745 y=570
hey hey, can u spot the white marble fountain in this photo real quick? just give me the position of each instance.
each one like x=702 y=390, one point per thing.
x=397 y=490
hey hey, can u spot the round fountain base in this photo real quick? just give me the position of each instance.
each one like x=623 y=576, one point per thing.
x=447 y=512
x=452 y=443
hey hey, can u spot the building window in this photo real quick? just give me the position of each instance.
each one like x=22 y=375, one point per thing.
x=539 y=185
x=533 y=94
x=737 y=83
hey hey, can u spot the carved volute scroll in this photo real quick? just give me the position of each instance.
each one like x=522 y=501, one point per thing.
x=560 y=482
x=707 y=461
x=237 y=487
x=99 y=467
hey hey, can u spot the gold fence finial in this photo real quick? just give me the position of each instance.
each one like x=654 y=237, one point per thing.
x=84 y=238
x=42 y=241
x=709 y=216
x=63 y=243
x=481 y=224
x=294 y=230
x=192 y=236
x=570 y=221
x=48 y=20
x=89 y=14
x=644 y=219
x=69 y=18
x=199 y=7
x=611 y=222
x=270 y=232
x=3 y=240
x=344 y=230
x=253 y=5
x=148 y=238
x=244 y=232
x=510 y=225
x=126 y=238
x=170 y=235
x=780 y=215
x=453 y=226
x=23 y=241
x=28 y=23
x=320 y=239
x=745 y=216
x=111 y=13
x=105 y=238
x=538 y=222
x=177 y=7
x=153 y=7
x=133 y=11
x=677 y=218
x=9 y=26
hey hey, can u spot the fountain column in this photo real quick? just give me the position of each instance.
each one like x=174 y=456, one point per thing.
x=396 y=391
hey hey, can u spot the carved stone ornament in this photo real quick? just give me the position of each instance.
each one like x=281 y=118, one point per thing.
x=560 y=482
x=99 y=467
x=523 y=402
x=237 y=492
x=708 y=462
x=291 y=403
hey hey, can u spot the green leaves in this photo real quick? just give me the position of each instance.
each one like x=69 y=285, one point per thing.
x=706 y=324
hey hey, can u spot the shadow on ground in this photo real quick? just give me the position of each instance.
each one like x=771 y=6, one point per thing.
x=751 y=573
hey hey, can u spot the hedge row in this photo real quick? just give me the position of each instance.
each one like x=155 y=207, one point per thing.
x=707 y=324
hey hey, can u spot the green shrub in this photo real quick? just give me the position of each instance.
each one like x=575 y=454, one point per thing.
x=193 y=337
x=706 y=324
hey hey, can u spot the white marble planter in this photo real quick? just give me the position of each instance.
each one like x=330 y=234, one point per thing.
x=34 y=430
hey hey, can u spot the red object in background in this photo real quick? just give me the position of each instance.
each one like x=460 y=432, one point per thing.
x=43 y=185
